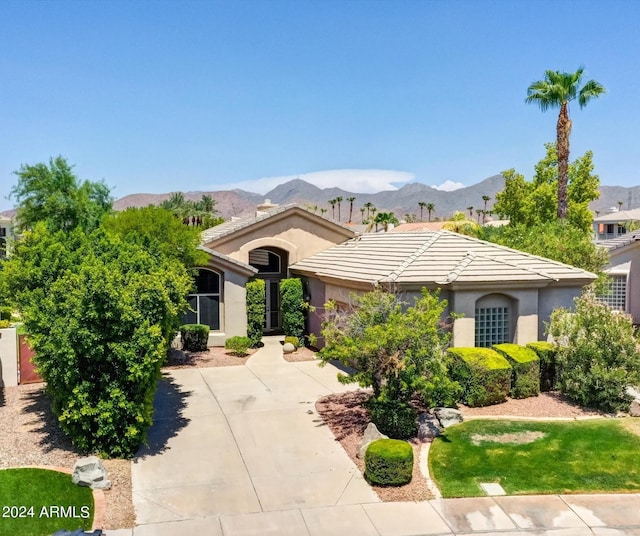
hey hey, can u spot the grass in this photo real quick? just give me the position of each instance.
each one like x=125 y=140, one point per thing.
x=560 y=457
x=39 y=502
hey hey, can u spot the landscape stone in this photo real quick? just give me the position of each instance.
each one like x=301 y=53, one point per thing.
x=370 y=435
x=634 y=409
x=448 y=416
x=90 y=472
x=287 y=348
x=428 y=427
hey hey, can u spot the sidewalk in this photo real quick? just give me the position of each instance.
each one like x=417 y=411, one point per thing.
x=240 y=451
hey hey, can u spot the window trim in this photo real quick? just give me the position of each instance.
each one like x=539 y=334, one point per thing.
x=199 y=295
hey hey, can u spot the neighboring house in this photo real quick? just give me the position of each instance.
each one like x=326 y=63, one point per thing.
x=623 y=269
x=6 y=235
x=615 y=223
x=262 y=245
x=503 y=295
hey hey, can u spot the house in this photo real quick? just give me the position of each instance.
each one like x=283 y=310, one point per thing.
x=503 y=294
x=623 y=293
x=6 y=235
x=615 y=223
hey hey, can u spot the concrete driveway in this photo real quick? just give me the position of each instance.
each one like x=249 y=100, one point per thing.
x=246 y=439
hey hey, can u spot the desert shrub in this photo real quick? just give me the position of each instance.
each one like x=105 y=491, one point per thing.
x=292 y=340
x=525 y=380
x=389 y=462
x=238 y=345
x=485 y=376
x=194 y=337
x=293 y=307
x=394 y=418
x=5 y=312
x=256 y=310
x=548 y=370
x=4 y=324
x=597 y=354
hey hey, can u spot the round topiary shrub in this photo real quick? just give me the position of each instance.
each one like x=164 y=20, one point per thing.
x=389 y=462
x=394 y=418
x=194 y=337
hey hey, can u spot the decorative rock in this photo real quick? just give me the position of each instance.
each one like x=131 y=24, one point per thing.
x=634 y=409
x=428 y=427
x=448 y=416
x=371 y=434
x=287 y=348
x=90 y=472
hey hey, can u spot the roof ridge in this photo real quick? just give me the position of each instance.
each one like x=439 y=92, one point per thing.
x=411 y=258
x=457 y=270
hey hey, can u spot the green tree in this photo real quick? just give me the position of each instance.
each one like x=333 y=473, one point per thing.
x=597 y=354
x=385 y=219
x=100 y=312
x=396 y=349
x=421 y=205
x=293 y=307
x=430 y=208
x=461 y=225
x=557 y=90
x=54 y=195
x=351 y=200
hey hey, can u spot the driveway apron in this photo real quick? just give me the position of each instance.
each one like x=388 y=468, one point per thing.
x=244 y=439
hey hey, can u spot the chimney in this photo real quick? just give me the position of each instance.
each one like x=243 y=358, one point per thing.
x=262 y=208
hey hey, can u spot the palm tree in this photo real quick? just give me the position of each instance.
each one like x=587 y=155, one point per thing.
x=385 y=219
x=333 y=202
x=486 y=199
x=362 y=209
x=470 y=209
x=422 y=205
x=323 y=211
x=430 y=208
x=620 y=203
x=368 y=205
x=556 y=91
x=351 y=200
x=339 y=200
x=461 y=225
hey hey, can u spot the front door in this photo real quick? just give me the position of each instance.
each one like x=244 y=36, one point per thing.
x=272 y=318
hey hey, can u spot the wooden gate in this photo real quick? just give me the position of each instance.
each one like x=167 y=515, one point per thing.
x=28 y=372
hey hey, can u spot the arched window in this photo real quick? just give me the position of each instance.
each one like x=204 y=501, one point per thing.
x=493 y=320
x=204 y=303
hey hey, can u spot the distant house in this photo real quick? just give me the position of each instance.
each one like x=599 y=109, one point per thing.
x=615 y=223
x=6 y=235
x=623 y=292
x=504 y=295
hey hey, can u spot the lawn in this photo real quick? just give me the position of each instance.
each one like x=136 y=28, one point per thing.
x=536 y=457
x=39 y=502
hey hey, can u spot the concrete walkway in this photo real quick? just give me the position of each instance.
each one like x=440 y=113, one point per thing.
x=240 y=451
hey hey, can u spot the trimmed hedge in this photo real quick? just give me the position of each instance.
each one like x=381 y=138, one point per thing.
x=238 y=345
x=525 y=380
x=548 y=366
x=389 y=462
x=394 y=418
x=293 y=307
x=194 y=337
x=256 y=310
x=485 y=376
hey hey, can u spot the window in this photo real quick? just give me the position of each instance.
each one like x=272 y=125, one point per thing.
x=204 y=304
x=267 y=262
x=492 y=326
x=615 y=293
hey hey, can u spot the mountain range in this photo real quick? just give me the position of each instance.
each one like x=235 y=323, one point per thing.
x=401 y=201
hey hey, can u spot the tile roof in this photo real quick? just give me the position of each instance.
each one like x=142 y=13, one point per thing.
x=237 y=224
x=439 y=258
x=619 y=216
x=619 y=241
x=225 y=258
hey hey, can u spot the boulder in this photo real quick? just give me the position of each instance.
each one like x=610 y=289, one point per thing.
x=634 y=409
x=90 y=472
x=428 y=427
x=287 y=348
x=448 y=416
x=371 y=434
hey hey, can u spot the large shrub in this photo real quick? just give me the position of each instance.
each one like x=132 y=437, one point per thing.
x=194 y=337
x=293 y=307
x=485 y=376
x=548 y=371
x=256 y=310
x=597 y=354
x=389 y=462
x=100 y=313
x=525 y=380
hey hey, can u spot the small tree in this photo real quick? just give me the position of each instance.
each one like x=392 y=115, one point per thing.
x=597 y=354
x=293 y=307
x=395 y=349
x=256 y=310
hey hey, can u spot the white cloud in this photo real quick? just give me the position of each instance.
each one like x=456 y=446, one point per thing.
x=449 y=186
x=353 y=180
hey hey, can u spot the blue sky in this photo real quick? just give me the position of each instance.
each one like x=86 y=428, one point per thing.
x=159 y=96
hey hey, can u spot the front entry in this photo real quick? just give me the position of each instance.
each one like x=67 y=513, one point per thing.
x=272 y=264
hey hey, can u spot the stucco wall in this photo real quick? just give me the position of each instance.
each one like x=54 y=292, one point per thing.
x=8 y=357
x=631 y=255
x=297 y=235
x=554 y=298
x=317 y=294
